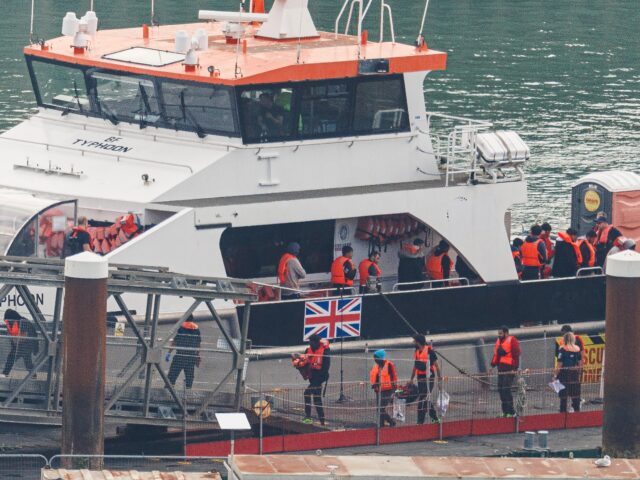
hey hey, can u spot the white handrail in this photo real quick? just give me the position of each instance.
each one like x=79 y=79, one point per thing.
x=586 y=270
x=463 y=280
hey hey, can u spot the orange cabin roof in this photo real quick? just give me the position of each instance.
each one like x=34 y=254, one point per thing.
x=265 y=61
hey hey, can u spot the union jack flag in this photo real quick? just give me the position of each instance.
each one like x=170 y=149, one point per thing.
x=339 y=318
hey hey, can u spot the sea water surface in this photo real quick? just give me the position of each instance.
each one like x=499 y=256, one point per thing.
x=565 y=74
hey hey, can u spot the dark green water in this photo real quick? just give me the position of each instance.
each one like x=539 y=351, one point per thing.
x=563 y=73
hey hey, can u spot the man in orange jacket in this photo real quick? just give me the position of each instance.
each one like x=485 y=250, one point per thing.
x=384 y=381
x=506 y=357
x=343 y=271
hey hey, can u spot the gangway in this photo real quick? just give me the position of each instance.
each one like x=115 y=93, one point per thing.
x=138 y=390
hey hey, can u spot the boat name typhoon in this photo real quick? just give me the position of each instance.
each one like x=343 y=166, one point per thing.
x=104 y=145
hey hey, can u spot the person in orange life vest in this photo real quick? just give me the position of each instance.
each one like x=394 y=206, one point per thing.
x=343 y=270
x=568 y=371
x=516 y=253
x=506 y=357
x=187 y=357
x=568 y=257
x=78 y=240
x=534 y=254
x=411 y=264
x=384 y=381
x=370 y=273
x=319 y=358
x=545 y=236
x=425 y=363
x=439 y=264
x=23 y=343
x=290 y=272
x=606 y=235
x=587 y=249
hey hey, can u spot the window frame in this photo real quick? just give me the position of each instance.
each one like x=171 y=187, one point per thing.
x=158 y=82
x=352 y=83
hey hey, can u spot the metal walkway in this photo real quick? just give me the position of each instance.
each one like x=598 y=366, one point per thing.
x=138 y=390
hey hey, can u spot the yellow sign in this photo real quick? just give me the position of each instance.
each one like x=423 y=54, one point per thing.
x=592 y=200
x=593 y=357
x=262 y=407
x=118 y=331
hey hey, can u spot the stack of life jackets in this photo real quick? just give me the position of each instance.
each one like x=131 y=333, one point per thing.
x=125 y=228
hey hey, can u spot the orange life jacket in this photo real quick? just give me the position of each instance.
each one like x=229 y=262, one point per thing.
x=530 y=254
x=566 y=238
x=421 y=360
x=388 y=377
x=337 y=271
x=579 y=343
x=363 y=270
x=434 y=266
x=190 y=325
x=516 y=254
x=548 y=245
x=592 y=251
x=283 y=267
x=507 y=358
x=603 y=235
x=13 y=326
x=315 y=357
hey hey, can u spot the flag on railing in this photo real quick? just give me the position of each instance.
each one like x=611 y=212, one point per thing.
x=339 y=318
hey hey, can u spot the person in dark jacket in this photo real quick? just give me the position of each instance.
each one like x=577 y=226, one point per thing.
x=411 y=264
x=187 y=357
x=24 y=343
x=588 y=249
x=319 y=361
x=567 y=255
x=516 y=253
x=605 y=236
x=465 y=271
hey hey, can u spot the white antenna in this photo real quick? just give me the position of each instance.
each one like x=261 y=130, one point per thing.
x=299 y=49
x=153 y=13
x=91 y=6
x=420 y=38
x=32 y=15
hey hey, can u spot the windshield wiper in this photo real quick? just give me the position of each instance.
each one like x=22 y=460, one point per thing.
x=75 y=89
x=186 y=114
x=145 y=108
x=107 y=113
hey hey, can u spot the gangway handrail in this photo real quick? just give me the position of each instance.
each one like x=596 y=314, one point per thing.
x=304 y=293
x=464 y=282
x=583 y=272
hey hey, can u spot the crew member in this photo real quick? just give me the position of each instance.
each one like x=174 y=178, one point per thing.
x=545 y=236
x=270 y=117
x=319 y=359
x=384 y=382
x=411 y=265
x=620 y=244
x=370 y=273
x=23 y=341
x=425 y=361
x=439 y=264
x=290 y=272
x=187 y=357
x=506 y=357
x=78 y=239
x=567 y=255
x=606 y=235
x=587 y=249
x=516 y=253
x=465 y=271
x=534 y=254
x=343 y=271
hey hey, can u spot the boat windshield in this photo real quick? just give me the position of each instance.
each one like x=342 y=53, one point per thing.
x=32 y=226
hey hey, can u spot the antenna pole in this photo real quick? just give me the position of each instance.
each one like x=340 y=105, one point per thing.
x=91 y=6
x=424 y=17
x=153 y=12
x=33 y=2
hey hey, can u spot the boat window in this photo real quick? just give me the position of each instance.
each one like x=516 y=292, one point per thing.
x=324 y=109
x=208 y=108
x=60 y=86
x=266 y=114
x=380 y=106
x=254 y=252
x=125 y=98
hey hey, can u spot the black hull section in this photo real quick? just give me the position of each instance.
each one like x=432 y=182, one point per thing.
x=446 y=310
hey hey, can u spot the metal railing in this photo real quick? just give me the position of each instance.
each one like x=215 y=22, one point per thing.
x=586 y=271
x=423 y=284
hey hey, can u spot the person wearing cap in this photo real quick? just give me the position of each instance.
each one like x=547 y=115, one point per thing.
x=23 y=341
x=506 y=358
x=187 y=357
x=567 y=255
x=411 y=264
x=620 y=244
x=290 y=272
x=606 y=236
x=384 y=381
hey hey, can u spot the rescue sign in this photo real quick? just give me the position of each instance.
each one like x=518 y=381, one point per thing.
x=593 y=357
